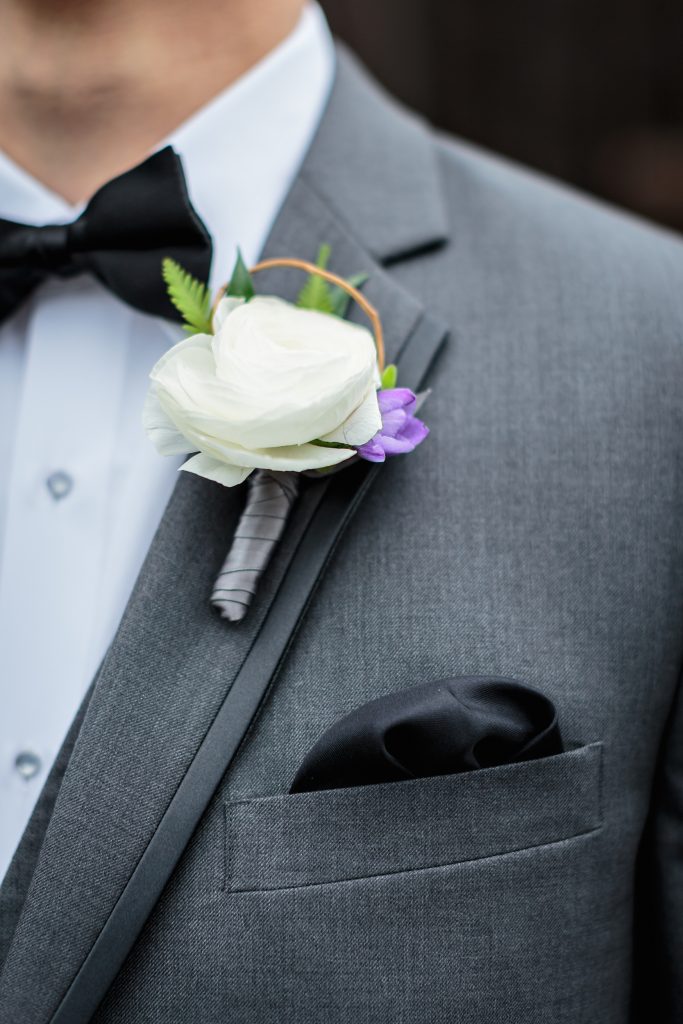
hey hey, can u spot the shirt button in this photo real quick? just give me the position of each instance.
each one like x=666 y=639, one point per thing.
x=59 y=484
x=27 y=764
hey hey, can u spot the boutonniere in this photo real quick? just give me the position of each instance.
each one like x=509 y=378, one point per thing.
x=266 y=390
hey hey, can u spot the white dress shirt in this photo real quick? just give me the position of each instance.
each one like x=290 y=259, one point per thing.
x=82 y=490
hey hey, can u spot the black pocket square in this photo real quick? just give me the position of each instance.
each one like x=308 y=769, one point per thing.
x=454 y=725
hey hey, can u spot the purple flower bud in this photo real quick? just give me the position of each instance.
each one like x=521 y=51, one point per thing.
x=401 y=431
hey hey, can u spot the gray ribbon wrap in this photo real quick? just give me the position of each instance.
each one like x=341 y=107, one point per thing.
x=270 y=497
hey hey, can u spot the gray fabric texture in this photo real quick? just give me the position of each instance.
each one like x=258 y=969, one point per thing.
x=18 y=876
x=536 y=534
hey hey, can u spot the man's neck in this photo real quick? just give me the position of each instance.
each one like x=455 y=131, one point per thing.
x=88 y=87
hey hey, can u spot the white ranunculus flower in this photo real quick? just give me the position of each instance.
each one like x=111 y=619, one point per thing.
x=254 y=395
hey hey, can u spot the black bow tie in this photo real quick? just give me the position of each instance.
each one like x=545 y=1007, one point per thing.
x=121 y=237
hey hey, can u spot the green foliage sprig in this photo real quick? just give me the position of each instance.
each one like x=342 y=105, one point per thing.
x=241 y=285
x=389 y=377
x=315 y=294
x=190 y=297
x=326 y=298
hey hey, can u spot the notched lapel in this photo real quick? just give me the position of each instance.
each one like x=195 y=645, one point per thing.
x=172 y=661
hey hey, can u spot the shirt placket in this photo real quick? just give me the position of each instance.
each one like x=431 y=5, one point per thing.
x=55 y=534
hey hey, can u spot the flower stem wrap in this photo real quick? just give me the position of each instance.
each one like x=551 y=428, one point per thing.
x=270 y=497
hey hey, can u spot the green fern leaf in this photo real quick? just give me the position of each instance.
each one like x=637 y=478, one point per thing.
x=190 y=297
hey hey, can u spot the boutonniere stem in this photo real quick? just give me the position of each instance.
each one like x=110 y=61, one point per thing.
x=270 y=497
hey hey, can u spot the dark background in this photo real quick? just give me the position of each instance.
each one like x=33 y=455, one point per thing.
x=587 y=90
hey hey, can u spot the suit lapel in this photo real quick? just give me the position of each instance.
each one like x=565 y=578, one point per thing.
x=172 y=660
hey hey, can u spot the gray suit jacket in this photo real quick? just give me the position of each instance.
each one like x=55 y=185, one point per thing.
x=537 y=534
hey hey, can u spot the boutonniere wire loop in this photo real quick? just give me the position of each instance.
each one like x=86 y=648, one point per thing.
x=339 y=282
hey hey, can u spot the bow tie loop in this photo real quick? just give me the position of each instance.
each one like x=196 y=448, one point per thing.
x=121 y=238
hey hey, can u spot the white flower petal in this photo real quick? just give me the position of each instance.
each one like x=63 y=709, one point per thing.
x=298 y=457
x=223 y=310
x=295 y=374
x=256 y=393
x=295 y=457
x=361 y=425
x=161 y=429
x=212 y=469
x=195 y=341
x=284 y=457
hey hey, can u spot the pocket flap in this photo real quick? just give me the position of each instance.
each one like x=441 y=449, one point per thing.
x=333 y=835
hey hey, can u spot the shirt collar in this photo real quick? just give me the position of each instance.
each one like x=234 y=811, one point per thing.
x=240 y=152
x=25 y=199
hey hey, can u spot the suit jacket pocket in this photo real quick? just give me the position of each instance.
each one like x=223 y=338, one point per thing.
x=278 y=842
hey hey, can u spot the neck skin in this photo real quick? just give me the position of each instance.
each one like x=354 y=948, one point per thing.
x=89 y=87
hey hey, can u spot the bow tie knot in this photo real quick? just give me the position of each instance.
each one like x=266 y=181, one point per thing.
x=49 y=248
x=122 y=236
